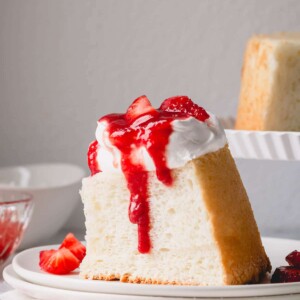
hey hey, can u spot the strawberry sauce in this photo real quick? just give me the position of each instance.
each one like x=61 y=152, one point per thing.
x=143 y=127
x=11 y=232
x=92 y=158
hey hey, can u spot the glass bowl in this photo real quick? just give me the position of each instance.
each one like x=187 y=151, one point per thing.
x=54 y=188
x=15 y=213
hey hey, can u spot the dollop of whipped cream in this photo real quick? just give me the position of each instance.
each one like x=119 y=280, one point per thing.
x=190 y=138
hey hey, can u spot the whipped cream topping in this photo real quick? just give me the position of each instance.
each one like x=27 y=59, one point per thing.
x=190 y=138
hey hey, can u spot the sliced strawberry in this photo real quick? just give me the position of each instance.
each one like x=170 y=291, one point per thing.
x=186 y=106
x=45 y=256
x=70 y=242
x=61 y=261
x=139 y=107
x=293 y=259
x=286 y=274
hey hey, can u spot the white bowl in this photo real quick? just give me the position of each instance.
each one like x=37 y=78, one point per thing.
x=55 y=191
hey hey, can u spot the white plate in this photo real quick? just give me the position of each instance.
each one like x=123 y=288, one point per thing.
x=49 y=293
x=275 y=145
x=26 y=265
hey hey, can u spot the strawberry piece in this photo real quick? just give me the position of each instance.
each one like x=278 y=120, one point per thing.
x=286 y=274
x=184 y=105
x=61 y=261
x=45 y=256
x=70 y=242
x=139 y=107
x=293 y=259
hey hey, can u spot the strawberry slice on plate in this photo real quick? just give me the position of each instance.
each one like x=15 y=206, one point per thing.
x=65 y=259
x=184 y=105
x=139 y=107
x=61 y=261
x=76 y=247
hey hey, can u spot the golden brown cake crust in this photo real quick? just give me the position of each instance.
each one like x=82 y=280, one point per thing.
x=270 y=89
x=255 y=86
x=243 y=256
x=127 y=278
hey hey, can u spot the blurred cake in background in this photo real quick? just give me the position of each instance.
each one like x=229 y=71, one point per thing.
x=270 y=85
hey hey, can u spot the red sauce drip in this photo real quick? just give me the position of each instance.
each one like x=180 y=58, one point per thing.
x=92 y=158
x=138 y=210
x=144 y=126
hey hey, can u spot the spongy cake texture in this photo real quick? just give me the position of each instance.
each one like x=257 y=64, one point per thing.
x=203 y=230
x=270 y=86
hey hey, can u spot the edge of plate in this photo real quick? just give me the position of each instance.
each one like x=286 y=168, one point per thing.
x=270 y=145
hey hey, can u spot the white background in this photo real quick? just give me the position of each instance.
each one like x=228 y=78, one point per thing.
x=65 y=63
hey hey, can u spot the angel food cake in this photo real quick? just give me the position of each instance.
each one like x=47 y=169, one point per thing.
x=270 y=87
x=165 y=203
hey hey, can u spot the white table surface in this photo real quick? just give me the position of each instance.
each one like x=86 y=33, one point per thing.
x=4 y=287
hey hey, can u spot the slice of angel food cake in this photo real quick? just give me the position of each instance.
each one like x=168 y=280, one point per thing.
x=165 y=203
